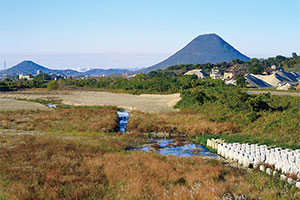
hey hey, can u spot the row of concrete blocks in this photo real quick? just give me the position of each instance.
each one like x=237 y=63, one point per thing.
x=284 y=160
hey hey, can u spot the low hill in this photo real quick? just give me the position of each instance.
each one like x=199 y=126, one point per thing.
x=29 y=67
x=208 y=48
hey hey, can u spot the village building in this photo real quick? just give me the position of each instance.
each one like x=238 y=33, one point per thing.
x=24 y=77
x=298 y=86
x=228 y=75
x=285 y=85
x=199 y=72
x=215 y=74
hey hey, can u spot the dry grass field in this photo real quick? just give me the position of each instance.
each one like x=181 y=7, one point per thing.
x=47 y=167
x=77 y=154
x=183 y=122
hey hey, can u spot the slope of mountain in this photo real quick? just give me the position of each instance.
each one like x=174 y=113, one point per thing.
x=29 y=67
x=97 y=72
x=208 y=48
x=25 y=67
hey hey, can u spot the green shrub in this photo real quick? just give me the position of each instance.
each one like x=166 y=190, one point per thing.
x=52 y=85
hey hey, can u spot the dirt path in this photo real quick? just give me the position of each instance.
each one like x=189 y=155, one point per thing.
x=144 y=102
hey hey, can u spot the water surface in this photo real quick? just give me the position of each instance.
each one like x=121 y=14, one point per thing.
x=172 y=147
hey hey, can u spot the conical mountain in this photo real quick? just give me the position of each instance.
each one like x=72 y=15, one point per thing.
x=208 y=48
x=25 y=67
x=29 y=67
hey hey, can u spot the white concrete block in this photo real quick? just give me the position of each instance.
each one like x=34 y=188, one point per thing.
x=208 y=142
x=246 y=161
x=241 y=158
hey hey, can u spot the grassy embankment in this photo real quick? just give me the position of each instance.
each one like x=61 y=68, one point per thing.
x=231 y=114
x=89 y=161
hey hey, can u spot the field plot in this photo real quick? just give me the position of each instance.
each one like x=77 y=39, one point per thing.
x=12 y=104
x=145 y=102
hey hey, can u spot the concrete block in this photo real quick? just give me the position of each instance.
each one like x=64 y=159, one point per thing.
x=226 y=154
x=241 y=158
x=293 y=169
x=279 y=164
x=219 y=149
x=256 y=162
x=208 y=142
x=236 y=155
x=286 y=167
x=246 y=161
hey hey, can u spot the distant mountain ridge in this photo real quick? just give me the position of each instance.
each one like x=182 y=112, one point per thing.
x=29 y=67
x=208 y=48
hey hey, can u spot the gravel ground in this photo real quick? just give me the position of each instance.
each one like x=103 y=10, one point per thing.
x=144 y=102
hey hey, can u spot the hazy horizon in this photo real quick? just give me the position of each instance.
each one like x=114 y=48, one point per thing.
x=137 y=34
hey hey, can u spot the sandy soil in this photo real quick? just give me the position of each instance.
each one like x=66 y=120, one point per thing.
x=11 y=104
x=144 y=102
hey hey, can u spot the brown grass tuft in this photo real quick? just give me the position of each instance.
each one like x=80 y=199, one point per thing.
x=62 y=120
x=192 y=124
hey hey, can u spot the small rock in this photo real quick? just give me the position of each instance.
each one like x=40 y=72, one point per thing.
x=282 y=177
x=291 y=181
x=262 y=168
x=268 y=171
x=298 y=184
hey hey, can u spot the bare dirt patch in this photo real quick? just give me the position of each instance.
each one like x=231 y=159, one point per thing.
x=146 y=103
x=12 y=104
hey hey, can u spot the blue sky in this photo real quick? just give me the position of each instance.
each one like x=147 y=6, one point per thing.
x=139 y=33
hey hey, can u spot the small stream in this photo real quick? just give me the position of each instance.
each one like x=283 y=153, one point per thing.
x=176 y=147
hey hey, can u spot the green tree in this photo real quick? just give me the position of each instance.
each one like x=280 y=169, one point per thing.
x=42 y=77
x=52 y=85
x=294 y=55
x=256 y=69
x=240 y=81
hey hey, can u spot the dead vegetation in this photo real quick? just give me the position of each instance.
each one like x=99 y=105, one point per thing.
x=47 y=167
x=192 y=124
x=62 y=120
x=100 y=165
